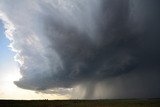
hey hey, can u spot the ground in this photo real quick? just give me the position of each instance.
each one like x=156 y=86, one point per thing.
x=81 y=103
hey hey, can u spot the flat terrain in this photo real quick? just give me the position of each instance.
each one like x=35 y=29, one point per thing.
x=81 y=103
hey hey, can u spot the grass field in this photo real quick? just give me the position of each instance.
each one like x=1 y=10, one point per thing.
x=81 y=103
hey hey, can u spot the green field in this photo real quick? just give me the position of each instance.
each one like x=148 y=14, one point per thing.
x=81 y=103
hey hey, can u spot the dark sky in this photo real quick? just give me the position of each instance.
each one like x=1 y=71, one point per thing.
x=108 y=48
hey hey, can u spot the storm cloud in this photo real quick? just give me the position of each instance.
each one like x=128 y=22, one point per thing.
x=86 y=46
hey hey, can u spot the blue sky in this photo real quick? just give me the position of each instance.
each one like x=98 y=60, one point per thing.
x=5 y=54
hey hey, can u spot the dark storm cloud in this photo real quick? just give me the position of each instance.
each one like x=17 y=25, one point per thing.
x=88 y=42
